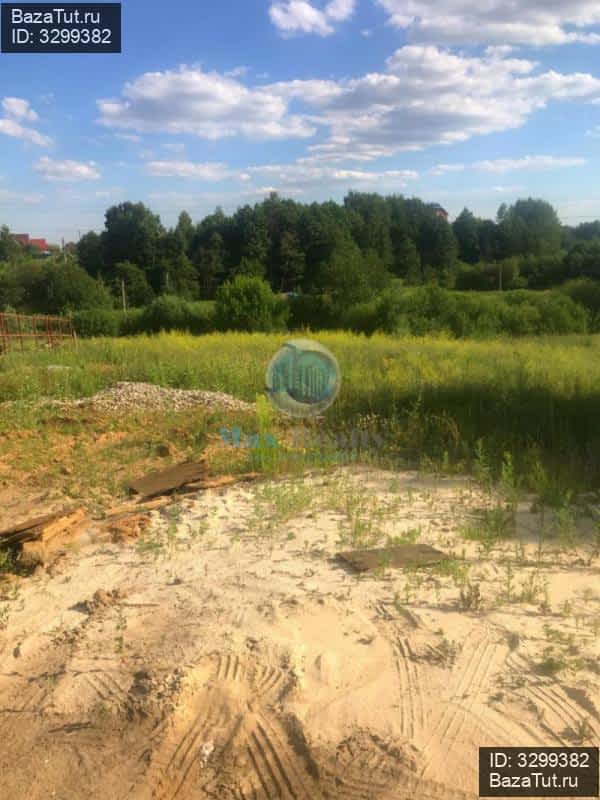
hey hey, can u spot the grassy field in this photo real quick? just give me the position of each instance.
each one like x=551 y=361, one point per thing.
x=437 y=401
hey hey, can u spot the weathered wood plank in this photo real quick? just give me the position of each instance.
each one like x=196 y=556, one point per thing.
x=168 y=480
x=403 y=555
x=32 y=529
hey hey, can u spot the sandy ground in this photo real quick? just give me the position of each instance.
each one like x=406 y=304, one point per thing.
x=228 y=655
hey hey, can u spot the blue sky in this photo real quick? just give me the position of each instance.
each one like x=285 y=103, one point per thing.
x=219 y=103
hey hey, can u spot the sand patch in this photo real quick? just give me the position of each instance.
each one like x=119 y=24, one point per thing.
x=228 y=654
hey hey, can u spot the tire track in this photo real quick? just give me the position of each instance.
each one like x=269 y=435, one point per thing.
x=412 y=709
x=222 y=730
x=552 y=699
x=472 y=679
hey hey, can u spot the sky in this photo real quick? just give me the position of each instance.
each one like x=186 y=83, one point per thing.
x=218 y=104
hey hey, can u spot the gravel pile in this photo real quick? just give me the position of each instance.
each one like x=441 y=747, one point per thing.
x=124 y=396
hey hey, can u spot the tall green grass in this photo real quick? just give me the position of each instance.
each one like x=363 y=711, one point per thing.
x=431 y=396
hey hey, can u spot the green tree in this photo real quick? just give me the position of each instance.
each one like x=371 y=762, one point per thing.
x=248 y=304
x=583 y=260
x=250 y=267
x=90 y=254
x=10 y=249
x=185 y=230
x=350 y=276
x=138 y=291
x=209 y=261
x=466 y=230
x=174 y=273
x=132 y=233
x=586 y=292
x=55 y=287
x=437 y=246
x=292 y=262
x=530 y=226
x=370 y=222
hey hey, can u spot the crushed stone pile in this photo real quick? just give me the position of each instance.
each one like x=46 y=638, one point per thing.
x=125 y=395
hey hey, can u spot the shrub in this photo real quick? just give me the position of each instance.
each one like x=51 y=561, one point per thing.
x=315 y=311
x=172 y=313
x=97 y=322
x=586 y=293
x=249 y=304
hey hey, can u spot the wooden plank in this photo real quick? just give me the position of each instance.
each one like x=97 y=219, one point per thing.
x=54 y=537
x=168 y=480
x=403 y=555
x=140 y=504
x=31 y=529
x=223 y=480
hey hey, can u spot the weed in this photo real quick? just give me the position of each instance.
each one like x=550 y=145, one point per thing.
x=492 y=526
x=582 y=731
x=533 y=588
x=470 y=597
x=7 y=561
x=552 y=665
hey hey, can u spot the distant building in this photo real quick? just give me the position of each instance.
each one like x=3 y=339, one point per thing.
x=41 y=245
x=439 y=211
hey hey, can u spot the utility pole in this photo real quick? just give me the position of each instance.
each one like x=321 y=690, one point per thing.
x=500 y=275
x=123 y=294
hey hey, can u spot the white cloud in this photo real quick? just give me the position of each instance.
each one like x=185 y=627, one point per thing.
x=425 y=96
x=17 y=111
x=535 y=22
x=293 y=177
x=300 y=174
x=237 y=72
x=429 y=96
x=188 y=169
x=17 y=108
x=205 y=104
x=507 y=189
x=528 y=163
x=66 y=171
x=443 y=169
x=500 y=165
x=299 y=16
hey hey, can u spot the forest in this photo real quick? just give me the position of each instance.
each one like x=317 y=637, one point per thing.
x=369 y=263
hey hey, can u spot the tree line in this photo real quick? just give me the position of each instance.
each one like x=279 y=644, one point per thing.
x=349 y=251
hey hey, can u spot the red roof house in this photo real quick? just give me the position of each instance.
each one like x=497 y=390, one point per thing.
x=41 y=244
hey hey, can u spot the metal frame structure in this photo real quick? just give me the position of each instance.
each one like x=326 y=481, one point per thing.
x=21 y=331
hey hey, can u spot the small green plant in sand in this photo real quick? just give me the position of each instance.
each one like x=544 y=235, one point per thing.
x=7 y=560
x=552 y=665
x=456 y=568
x=492 y=526
x=278 y=502
x=582 y=732
x=594 y=546
x=533 y=588
x=470 y=598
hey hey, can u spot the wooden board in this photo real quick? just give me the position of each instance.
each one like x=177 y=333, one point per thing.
x=168 y=480
x=32 y=529
x=54 y=537
x=402 y=555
